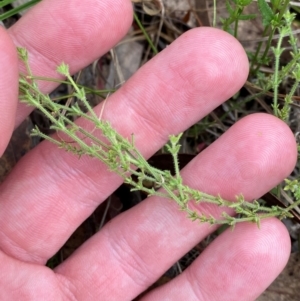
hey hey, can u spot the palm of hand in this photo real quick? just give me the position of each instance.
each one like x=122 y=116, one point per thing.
x=41 y=206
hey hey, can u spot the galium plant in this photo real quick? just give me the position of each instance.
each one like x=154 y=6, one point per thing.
x=120 y=154
x=122 y=157
x=276 y=19
x=291 y=71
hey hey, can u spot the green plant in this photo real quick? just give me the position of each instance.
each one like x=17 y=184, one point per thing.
x=16 y=10
x=122 y=157
x=276 y=19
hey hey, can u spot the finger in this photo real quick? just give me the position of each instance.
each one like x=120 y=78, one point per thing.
x=74 y=32
x=58 y=191
x=8 y=88
x=238 y=265
x=141 y=244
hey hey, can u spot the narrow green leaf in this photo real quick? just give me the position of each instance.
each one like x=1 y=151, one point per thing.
x=266 y=12
x=228 y=7
x=6 y=2
x=18 y=9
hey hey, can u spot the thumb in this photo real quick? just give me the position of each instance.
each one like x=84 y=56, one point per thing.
x=8 y=87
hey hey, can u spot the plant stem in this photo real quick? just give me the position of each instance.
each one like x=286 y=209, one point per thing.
x=145 y=34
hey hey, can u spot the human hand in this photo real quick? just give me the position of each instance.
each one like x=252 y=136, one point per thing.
x=51 y=192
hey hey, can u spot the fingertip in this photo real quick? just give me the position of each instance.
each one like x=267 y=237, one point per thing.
x=89 y=30
x=257 y=153
x=266 y=248
x=241 y=262
x=274 y=136
x=8 y=87
x=246 y=257
x=195 y=74
x=226 y=62
x=271 y=238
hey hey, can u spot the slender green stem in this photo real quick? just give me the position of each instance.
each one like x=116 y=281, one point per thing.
x=66 y=82
x=214 y=13
x=145 y=34
x=278 y=6
x=16 y=10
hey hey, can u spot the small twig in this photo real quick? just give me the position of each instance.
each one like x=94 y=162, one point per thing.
x=105 y=213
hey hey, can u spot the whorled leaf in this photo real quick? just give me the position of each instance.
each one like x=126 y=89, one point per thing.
x=266 y=12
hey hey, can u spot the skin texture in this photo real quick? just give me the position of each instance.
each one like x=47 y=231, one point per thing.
x=50 y=192
x=8 y=88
